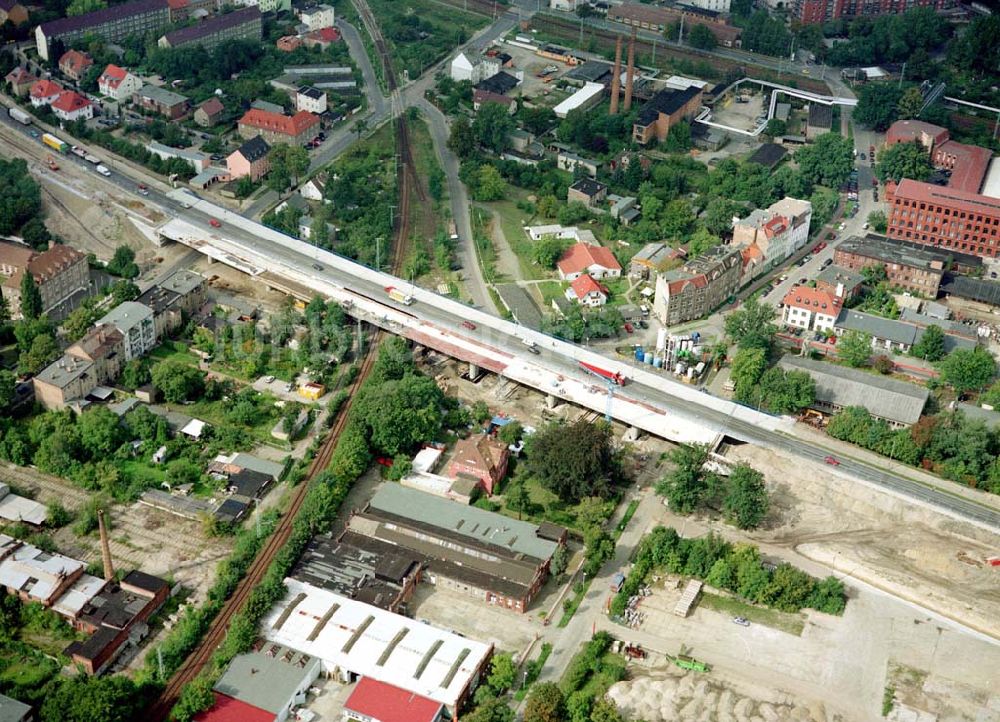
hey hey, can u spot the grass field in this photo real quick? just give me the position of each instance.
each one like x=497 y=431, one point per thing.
x=420 y=32
x=782 y=621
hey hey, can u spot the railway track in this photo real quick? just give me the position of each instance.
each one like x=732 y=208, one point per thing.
x=570 y=31
x=407 y=181
x=202 y=654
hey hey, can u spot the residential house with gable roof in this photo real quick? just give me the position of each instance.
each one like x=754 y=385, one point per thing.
x=581 y=258
x=118 y=83
x=74 y=64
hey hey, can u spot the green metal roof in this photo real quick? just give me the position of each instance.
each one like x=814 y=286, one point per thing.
x=470 y=521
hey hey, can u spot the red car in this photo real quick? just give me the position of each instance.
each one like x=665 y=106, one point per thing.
x=831 y=461
x=819 y=247
x=469 y=325
x=214 y=223
x=629 y=328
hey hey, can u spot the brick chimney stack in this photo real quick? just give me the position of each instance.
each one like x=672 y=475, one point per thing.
x=109 y=569
x=630 y=73
x=616 y=79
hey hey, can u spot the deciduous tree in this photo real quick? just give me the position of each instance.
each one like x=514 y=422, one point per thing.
x=930 y=347
x=751 y=325
x=968 y=369
x=904 y=160
x=545 y=704
x=177 y=381
x=746 y=501
x=854 y=348
x=574 y=461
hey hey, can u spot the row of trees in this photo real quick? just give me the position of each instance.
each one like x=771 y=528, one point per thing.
x=735 y=568
x=949 y=444
x=741 y=495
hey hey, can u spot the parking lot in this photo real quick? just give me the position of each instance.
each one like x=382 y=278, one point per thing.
x=743 y=116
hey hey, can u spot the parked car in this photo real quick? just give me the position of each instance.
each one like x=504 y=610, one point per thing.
x=742 y=621
x=628 y=327
x=318 y=267
x=862 y=156
x=803 y=281
x=827 y=262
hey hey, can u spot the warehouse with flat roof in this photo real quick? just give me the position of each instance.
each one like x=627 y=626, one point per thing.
x=353 y=639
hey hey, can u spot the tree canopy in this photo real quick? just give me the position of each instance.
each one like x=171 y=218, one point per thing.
x=752 y=325
x=855 y=348
x=904 y=160
x=746 y=501
x=828 y=161
x=968 y=369
x=878 y=105
x=574 y=461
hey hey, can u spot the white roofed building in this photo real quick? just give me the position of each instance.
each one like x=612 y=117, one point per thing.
x=353 y=639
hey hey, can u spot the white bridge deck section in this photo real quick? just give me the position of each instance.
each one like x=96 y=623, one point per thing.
x=640 y=403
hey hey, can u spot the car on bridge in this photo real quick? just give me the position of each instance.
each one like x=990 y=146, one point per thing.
x=214 y=223
x=832 y=461
x=469 y=325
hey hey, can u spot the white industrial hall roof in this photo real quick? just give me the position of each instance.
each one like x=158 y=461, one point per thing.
x=365 y=640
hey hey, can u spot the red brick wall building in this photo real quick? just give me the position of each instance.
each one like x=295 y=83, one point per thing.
x=945 y=217
x=818 y=11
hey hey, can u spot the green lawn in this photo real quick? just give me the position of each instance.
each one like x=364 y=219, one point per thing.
x=793 y=623
x=174 y=351
x=551 y=290
x=512 y=221
x=546 y=506
x=142 y=472
x=419 y=32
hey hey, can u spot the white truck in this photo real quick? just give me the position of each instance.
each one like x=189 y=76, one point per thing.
x=103 y=170
x=20 y=116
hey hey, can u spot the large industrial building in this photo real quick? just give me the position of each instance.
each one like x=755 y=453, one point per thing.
x=353 y=639
x=500 y=560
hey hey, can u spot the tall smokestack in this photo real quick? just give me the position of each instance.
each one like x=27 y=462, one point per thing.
x=616 y=78
x=109 y=569
x=630 y=73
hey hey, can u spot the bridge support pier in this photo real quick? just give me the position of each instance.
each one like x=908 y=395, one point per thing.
x=632 y=434
x=473 y=370
x=551 y=401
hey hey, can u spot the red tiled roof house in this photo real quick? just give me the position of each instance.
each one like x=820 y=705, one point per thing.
x=587 y=292
x=483 y=458
x=581 y=258
x=276 y=128
x=73 y=64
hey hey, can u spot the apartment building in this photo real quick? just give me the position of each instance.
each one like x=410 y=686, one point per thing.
x=59 y=273
x=136 y=323
x=776 y=232
x=811 y=308
x=700 y=285
x=242 y=24
x=277 y=128
x=820 y=11
x=74 y=64
x=111 y=24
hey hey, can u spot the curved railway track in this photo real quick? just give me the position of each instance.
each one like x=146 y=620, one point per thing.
x=407 y=183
